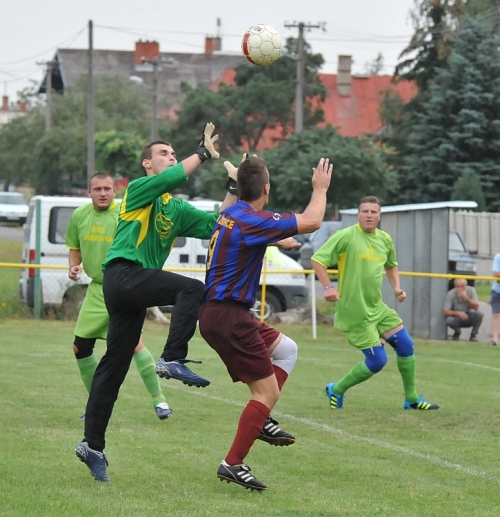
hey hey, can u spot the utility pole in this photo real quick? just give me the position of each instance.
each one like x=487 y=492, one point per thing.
x=154 y=113
x=48 y=92
x=156 y=63
x=90 y=107
x=301 y=64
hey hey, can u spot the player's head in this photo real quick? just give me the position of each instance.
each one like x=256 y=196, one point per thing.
x=101 y=190
x=156 y=157
x=369 y=213
x=253 y=179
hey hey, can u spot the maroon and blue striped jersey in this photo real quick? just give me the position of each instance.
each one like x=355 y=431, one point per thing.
x=236 y=251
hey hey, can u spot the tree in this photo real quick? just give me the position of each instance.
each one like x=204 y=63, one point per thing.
x=457 y=132
x=358 y=170
x=119 y=152
x=434 y=22
x=122 y=121
x=17 y=139
x=468 y=187
x=262 y=97
x=376 y=66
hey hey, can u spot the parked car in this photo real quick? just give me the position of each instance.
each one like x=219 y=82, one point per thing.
x=13 y=207
x=460 y=259
x=316 y=240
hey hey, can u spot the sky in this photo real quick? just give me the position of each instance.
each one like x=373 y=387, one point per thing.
x=32 y=31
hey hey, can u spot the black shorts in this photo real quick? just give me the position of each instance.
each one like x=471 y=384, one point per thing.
x=241 y=341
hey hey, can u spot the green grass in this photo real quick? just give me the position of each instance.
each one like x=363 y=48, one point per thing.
x=483 y=290
x=371 y=458
x=10 y=305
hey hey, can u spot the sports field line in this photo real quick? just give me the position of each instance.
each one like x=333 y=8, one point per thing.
x=475 y=365
x=378 y=443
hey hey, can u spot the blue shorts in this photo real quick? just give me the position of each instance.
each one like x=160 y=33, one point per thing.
x=495 y=302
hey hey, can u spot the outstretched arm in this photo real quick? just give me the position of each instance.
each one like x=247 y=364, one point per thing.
x=312 y=217
x=205 y=151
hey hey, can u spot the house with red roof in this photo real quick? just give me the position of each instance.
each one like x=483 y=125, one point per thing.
x=351 y=105
x=352 y=101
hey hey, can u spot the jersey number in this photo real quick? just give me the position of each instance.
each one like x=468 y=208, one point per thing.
x=211 y=247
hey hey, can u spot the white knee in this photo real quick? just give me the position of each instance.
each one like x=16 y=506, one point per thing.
x=285 y=354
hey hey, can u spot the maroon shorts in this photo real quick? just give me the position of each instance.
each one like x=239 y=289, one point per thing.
x=241 y=341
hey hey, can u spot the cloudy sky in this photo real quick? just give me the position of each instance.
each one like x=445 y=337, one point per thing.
x=31 y=31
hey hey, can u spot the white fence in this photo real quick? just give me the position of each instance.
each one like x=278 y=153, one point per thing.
x=479 y=230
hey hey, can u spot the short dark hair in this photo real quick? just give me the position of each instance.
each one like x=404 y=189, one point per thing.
x=147 y=151
x=370 y=199
x=252 y=176
x=100 y=175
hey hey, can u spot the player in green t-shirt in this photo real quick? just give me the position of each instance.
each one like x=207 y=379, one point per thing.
x=91 y=231
x=363 y=253
x=149 y=222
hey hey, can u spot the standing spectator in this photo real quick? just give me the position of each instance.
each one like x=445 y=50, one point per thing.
x=150 y=220
x=253 y=352
x=363 y=253
x=495 y=301
x=90 y=233
x=461 y=309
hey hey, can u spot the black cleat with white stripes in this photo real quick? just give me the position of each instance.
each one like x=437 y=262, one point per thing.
x=272 y=434
x=239 y=474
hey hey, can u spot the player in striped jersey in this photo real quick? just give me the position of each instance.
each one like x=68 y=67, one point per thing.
x=253 y=352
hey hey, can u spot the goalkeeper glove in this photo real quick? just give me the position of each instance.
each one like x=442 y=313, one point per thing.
x=206 y=149
x=232 y=172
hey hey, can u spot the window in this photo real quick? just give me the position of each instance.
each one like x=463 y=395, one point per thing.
x=180 y=242
x=58 y=223
x=12 y=199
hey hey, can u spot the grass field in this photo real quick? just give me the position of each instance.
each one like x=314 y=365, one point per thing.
x=10 y=306
x=370 y=458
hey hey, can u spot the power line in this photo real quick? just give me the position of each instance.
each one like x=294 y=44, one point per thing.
x=71 y=39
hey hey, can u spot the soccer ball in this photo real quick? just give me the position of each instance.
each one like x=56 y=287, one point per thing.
x=261 y=45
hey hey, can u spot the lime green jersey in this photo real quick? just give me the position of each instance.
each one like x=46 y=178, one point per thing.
x=92 y=232
x=362 y=258
x=151 y=219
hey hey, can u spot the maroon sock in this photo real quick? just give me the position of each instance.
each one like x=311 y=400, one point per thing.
x=281 y=376
x=251 y=422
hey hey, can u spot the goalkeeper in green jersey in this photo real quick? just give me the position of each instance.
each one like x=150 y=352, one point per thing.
x=149 y=222
x=90 y=233
x=362 y=253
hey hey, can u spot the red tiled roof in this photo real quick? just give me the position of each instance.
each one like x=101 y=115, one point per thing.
x=352 y=115
x=357 y=114
x=227 y=77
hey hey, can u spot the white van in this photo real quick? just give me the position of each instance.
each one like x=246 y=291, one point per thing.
x=283 y=291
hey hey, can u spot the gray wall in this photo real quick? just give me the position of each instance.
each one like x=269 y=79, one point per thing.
x=421 y=242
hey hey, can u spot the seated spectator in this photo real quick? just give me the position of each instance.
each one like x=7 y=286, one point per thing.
x=461 y=309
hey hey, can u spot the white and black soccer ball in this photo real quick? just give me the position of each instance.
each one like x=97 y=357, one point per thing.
x=261 y=45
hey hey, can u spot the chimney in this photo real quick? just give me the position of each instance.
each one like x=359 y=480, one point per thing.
x=147 y=49
x=23 y=106
x=212 y=43
x=344 y=75
x=5 y=103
